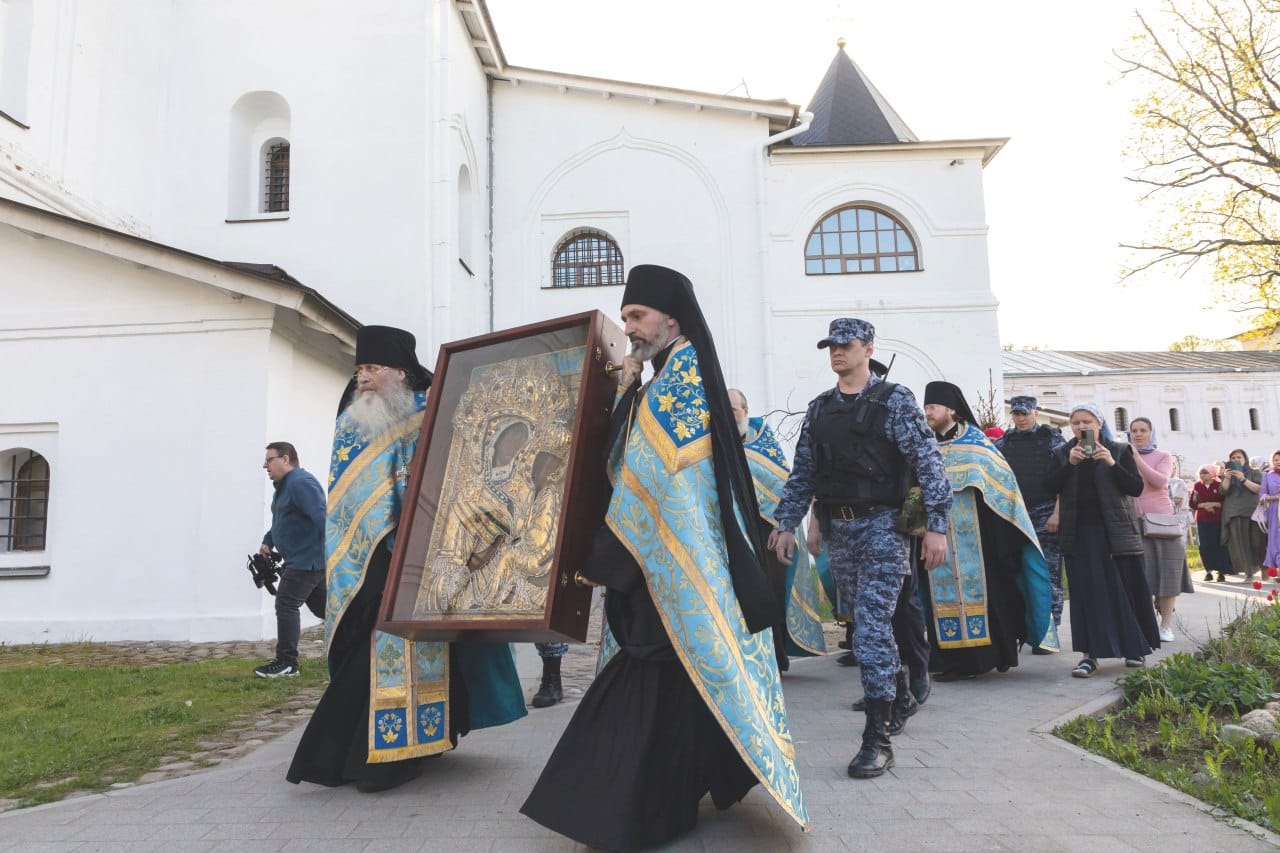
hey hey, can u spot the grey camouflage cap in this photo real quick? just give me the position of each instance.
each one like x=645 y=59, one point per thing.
x=1022 y=405
x=845 y=330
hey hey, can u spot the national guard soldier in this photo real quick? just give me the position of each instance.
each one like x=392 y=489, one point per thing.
x=1028 y=448
x=862 y=445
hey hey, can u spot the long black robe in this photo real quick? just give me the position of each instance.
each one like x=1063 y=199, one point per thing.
x=1006 y=610
x=334 y=748
x=642 y=748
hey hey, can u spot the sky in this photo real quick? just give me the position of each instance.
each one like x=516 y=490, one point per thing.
x=1042 y=74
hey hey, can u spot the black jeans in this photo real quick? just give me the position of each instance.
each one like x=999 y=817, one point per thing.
x=296 y=588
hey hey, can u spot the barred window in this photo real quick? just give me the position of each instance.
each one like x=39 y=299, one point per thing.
x=24 y=500
x=275 y=176
x=1122 y=419
x=1216 y=415
x=587 y=258
x=1175 y=422
x=1255 y=420
x=857 y=239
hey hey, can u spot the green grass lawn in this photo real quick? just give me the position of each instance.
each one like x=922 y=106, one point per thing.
x=83 y=723
x=1169 y=724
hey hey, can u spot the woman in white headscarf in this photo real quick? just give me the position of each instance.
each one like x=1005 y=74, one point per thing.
x=1165 y=558
x=1101 y=544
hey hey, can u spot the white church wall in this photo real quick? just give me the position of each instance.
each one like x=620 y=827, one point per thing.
x=940 y=321
x=132 y=113
x=672 y=186
x=155 y=389
x=357 y=223
x=461 y=309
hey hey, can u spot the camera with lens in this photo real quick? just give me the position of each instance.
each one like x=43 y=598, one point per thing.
x=265 y=570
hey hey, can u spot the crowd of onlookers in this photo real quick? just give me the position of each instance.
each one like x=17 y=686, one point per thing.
x=1235 y=504
x=1123 y=524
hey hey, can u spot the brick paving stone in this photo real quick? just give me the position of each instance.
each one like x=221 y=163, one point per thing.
x=976 y=770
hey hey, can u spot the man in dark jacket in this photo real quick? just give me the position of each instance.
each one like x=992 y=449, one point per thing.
x=297 y=533
x=1029 y=448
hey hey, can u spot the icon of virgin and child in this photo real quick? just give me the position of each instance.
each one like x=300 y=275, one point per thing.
x=494 y=538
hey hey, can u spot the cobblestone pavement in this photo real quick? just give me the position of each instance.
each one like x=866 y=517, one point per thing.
x=977 y=769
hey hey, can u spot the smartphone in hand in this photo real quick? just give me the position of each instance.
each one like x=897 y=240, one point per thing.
x=1088 y=441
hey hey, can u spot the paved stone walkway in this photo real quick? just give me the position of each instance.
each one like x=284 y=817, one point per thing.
x=977 y=770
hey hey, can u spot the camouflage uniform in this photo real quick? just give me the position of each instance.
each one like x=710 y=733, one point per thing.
x=1032 y=474
x=551 y=650
x=868 y=558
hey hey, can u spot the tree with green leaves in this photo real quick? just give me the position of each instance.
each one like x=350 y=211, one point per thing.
x=1207 y=136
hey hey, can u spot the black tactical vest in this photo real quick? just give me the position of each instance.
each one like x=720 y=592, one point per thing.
x=854 y=462
x=1029 y=457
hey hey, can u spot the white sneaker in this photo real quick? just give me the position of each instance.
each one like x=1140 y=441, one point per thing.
x=1166 y=634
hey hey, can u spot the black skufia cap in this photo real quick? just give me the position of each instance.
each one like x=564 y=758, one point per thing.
x=392 y=347
x=948 y=394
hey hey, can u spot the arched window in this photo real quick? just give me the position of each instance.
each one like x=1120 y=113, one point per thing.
x=586 y=258
x=24 y=500
x=1216 y=414
x=859 y=239
x=1122 y=419
x=1175 y=422
x=275 y=176
x=464 y=219
x=259 y=178
x=1255 y=420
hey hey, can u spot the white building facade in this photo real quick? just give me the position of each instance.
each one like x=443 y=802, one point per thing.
x=395 y=162
x=1203 y=404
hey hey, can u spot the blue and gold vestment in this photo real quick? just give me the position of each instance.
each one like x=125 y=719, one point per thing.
x=803 y=588
x=409 y=714
x=958 y=588
x=665 y=511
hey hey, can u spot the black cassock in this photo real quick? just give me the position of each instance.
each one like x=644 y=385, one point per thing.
x=642 y=748
x=334 y=748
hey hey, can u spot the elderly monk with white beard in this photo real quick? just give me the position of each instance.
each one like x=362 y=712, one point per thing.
x=375 y=725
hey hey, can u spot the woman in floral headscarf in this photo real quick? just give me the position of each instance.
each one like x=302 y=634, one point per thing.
x=1101 y=544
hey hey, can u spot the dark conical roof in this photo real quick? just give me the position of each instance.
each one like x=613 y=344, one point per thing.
x=848 y=110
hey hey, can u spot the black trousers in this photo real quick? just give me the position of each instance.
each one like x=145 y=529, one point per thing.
x=909 y=629
x=296 y=588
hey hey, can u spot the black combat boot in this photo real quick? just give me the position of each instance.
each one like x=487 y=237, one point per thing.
x=903 y=706
x=876 y=755
x=549 y=692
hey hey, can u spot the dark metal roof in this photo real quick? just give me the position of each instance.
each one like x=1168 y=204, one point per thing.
x=1078 y=362
x=849 y=110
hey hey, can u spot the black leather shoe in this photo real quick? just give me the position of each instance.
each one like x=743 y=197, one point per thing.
x=876 y=755
x=847 y=659
x=860 y=704
x=904 y=706
x=921 y=688
x=953 y=676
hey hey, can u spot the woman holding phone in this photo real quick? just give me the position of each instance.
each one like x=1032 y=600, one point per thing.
x=1165 y=558
x=1096 y=479
x=1244 y=541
